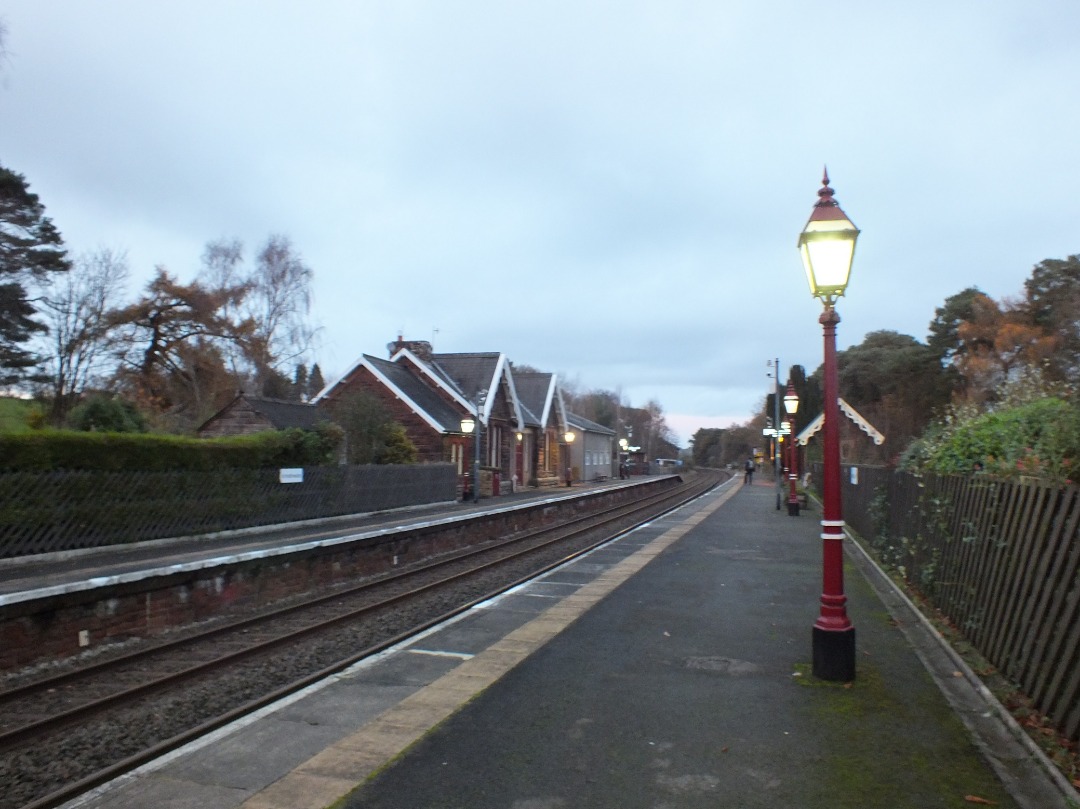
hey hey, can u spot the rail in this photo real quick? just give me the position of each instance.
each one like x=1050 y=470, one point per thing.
x=222 y=649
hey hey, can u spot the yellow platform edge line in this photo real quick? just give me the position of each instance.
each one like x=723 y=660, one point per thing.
x=339 y=769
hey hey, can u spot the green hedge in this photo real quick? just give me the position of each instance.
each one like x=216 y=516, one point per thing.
x=1037 y=439
x=61 y=449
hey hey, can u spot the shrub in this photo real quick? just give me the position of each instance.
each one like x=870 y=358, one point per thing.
x=397 y=448
x=1039 y=439
x=105 y=414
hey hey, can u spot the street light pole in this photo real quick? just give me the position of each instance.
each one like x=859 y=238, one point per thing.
x=776 y=424
x=827 y=245
x=791 y=405
x=568 y=437
x=476 y=427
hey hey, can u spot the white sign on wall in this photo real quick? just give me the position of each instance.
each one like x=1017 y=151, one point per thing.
x=290 y=476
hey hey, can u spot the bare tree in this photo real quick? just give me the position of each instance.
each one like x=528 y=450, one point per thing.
x=277 y=300
x=223 y=269
x=279 y=304
x=74 y=306
x=223 y=262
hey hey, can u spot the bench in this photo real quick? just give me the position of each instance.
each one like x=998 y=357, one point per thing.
x=600 y=478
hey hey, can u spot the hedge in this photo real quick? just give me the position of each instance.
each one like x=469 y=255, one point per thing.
x=49 y=450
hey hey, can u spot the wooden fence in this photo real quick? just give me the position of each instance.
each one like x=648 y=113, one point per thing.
x=1000 y=560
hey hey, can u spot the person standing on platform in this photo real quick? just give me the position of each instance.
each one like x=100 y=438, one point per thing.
x=749 y=476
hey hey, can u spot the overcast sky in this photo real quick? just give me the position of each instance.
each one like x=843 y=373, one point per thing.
x=608 y=190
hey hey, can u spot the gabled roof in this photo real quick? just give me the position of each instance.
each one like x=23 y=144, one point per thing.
x=413 y=391
x=280 y=413
x=462 y=377
x=540 y=393
x=283 y=414
x=435 y=375
x=531 y=419
x=466 y=376
x=813 y=427
x=585 y=425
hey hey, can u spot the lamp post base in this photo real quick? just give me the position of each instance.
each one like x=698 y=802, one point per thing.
x=834 y=654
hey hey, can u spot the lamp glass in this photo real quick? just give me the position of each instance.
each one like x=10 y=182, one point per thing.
x=828 y=247
x=791 y=404
x=569 y=437
x=468 y=424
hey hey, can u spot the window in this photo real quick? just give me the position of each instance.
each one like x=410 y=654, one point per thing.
x=494 y=445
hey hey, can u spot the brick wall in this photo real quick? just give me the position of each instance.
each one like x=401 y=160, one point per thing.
x=430 y=443
x=48 y=629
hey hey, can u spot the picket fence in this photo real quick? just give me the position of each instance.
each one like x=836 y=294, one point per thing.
x=999 y=560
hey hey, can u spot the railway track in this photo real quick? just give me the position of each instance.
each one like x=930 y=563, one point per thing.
x=176 y=691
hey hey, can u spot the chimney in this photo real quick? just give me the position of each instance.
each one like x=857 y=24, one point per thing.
x=396 y=346
x=421 y=348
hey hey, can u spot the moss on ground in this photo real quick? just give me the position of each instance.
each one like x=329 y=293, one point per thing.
x=866 y=760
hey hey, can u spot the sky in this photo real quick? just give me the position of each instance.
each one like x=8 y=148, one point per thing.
x=611 y=191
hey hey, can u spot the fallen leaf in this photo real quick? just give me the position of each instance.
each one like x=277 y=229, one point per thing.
x=957 y=674
x=724 y=749
x=977 y=799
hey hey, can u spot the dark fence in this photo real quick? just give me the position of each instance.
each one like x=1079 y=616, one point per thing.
x=59 y=511
x=1000 y=560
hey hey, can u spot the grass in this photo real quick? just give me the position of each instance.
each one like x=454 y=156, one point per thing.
x=15 y=414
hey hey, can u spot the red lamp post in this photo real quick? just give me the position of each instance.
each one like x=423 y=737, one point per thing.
x=827 y=245
x=791 y=406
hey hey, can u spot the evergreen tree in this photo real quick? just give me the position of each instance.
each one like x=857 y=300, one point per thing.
x=30 y=250
x=944 y=337
x=276 y=386
x=1053 y=304
x=315 y=381
x=300 y=383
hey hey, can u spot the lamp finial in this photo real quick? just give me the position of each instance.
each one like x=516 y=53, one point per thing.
x=825 y=193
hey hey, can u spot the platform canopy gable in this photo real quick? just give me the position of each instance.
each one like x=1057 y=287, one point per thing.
x=812 y=428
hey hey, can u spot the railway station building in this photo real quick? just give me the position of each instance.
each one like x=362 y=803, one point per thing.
x=523 y=422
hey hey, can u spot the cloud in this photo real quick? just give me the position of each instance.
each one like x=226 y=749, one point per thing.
x=608 y=190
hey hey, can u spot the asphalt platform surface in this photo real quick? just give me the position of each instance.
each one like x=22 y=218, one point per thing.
x=689 y=685
x=669 y=669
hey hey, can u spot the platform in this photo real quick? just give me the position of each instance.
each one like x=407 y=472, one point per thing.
x=31 y=577
x=668 y=669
